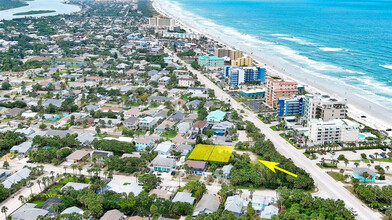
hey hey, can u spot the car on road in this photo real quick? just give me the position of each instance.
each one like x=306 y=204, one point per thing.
x=173 y=173
x=363 y=116
x=384 y=209
x=325 y=153
x=383 y=149
x=389 y=129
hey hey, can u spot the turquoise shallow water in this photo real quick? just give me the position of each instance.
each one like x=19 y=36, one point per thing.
x=347 y=41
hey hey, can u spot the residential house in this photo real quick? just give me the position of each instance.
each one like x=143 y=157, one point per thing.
x=75 y=186
x=85 y=138
x=90 y=108
x=131 y=123
x=164 y=148
x=113 y=214
x=133 y=112
x=159 y=98
x=194 y=103
x=112 y=109
x=56 y=102
x=142 y=143
x=177 y=116
x=164 y=80
x=162 y=163
x=197 y=167
x=222 y=128
x=225 y=172
x=184 y=197
x=269 y=211
x=22 y=148
x=25 y=131
x=358 y=173
x=115 y=186
x=164 y=194
x=198 y=92
x=184 y=149
x=186 y=81
x=164 y=126
x=100 y=155
x=207 y=205
x=71 y=210
x=28 y=211
x=216 y=116
x=78 y=156
x=183 y=127
x=147 y=123
x=236 y=204
x=11 y=113
x=200 y=126
x=260 y=202
x=16 y=177
x=4 y=174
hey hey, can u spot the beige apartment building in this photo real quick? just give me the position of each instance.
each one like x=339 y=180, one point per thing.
x=276 y=89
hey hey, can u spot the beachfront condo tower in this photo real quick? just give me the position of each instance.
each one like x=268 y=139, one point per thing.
x=211 y=61
x=276 y=89
x=240 y=75
x=244 y=61
x=324 y=107
x=291 y=106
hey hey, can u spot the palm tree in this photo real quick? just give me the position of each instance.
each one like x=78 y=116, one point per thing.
x=368 y=165
x=80 y=168
x=376 y=154
x=4 y=210
x=39 y=184
x=346 y=162
x=65 y=169
x=387 y=168
x=74 y=166
x=52 y=172
x=21 y=199
x=356 y=164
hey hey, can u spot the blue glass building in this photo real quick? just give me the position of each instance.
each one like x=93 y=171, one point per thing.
x=295 y=106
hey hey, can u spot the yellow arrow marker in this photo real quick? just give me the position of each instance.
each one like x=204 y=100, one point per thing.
x=272 y=166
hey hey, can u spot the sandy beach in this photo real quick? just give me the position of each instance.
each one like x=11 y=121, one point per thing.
x=377 y=116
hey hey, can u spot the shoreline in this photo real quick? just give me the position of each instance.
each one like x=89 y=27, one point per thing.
x=356 y=107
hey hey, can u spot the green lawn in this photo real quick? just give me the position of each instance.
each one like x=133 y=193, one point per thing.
x=192 y=178
x=274 y=128
x=337 y=176
x=169 y=134
x=38 y=202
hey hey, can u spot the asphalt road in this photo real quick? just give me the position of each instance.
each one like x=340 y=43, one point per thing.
x=325 y=183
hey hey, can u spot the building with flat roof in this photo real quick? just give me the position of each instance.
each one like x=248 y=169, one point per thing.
x=324 y=107
x=216 y=116
x=159 y=21
x=211 y=61
x=240 y=75
x=226 y=52
x=243 y=61
x=276 y=89
x=358 y=173
x=293 y=106
x=253 y=93
x=334 y=131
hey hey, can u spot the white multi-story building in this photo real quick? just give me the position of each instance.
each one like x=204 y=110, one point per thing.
x=186 y=81
x=324 y=107
x=335 y=131
x=159 y=21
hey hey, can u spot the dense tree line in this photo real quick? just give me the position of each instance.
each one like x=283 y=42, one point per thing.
x=117 y=147
x=197 y=189
x=257 y=175
x=297 y=204
x=50 y=155
x=9 y=139
x=16 y=104
x=374 y=196
x=56 y=141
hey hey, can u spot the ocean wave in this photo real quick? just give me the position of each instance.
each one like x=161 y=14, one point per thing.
x=389 y=66
x=297 y=40
x=330 y=49
x=280 y=35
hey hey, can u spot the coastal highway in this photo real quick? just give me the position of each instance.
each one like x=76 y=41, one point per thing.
x=326 y=184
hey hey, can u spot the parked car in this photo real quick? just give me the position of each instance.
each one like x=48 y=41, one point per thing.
x=333 y=152
x=29 y=161
x=325 y=153
x=384 y=209
x=13 y=157
x=389 y=129
x=371 y=161
x=173 y=173
x=371 y=156
x=383 y=149
x=383 y=155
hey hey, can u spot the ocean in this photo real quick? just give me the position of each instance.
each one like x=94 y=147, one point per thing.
x=346 y=43
x=58 y=5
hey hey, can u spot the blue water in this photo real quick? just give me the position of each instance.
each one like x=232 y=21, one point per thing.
x=343 y=40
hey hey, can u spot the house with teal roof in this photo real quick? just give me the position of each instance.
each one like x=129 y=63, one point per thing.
x=358 y=173
x=216 y=116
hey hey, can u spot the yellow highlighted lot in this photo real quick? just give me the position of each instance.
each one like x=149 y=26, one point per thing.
x=211 y=153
